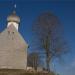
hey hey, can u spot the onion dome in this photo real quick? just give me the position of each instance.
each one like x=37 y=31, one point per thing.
x=13 y=18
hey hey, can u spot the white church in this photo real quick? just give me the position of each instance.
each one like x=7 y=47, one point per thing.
x=13 y=48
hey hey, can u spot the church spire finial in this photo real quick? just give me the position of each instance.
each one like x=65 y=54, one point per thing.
x=14 y=11
x=15 y=6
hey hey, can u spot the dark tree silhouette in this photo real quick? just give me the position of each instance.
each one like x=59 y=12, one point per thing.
x=48 y=31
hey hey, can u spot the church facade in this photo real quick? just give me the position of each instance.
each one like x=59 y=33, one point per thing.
x=13 y=48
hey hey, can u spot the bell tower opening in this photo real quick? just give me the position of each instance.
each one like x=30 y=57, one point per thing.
x=14 y=24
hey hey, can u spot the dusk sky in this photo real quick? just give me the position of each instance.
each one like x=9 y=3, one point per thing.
x=29 y=10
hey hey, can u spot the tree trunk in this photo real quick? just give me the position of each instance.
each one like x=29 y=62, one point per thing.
x=47 y=64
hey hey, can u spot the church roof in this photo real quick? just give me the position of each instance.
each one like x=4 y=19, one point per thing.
x=10 y=37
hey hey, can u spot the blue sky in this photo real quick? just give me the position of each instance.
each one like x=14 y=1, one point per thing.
x=29 y=10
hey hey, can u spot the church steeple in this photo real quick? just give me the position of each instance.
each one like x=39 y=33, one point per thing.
x=13 y=19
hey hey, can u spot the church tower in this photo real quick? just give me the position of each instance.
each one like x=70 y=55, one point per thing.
x=13 y=47
x=14 y=20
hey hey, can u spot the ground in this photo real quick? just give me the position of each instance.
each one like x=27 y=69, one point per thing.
x=21 y=72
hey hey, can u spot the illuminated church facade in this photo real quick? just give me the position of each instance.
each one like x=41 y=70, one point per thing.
x=13 y=48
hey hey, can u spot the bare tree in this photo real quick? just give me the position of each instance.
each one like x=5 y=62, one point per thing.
x=48 y=32
x=33 y=60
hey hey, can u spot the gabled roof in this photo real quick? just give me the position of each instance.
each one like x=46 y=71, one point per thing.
x=11 y=38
